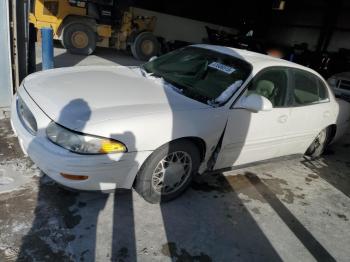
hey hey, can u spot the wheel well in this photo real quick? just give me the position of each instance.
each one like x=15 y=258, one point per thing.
x=198 y=142
x=332 y=129
x=76 y=19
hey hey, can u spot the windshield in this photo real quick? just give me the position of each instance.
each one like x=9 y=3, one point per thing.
x=201 y=74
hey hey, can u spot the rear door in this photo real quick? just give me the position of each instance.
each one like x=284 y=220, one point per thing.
x=310 y=105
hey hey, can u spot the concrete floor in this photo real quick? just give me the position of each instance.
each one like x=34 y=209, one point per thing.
x=291 y=210
x=101 y=56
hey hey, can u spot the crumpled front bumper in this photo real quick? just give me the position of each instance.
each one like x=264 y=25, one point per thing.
x=105 y=172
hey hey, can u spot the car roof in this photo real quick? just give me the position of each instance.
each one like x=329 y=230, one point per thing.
x=257 y=60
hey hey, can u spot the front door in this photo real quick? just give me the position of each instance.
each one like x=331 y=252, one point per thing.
x=250 y=136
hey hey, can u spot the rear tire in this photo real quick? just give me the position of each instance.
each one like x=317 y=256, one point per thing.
x=319 y=145
x=79 y=39
x=167 y=173
x=145 y=46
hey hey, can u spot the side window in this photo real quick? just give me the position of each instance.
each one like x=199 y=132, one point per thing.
x=32 y=6
x=323 y=91
x=272 y=84
x=50 y=7
x=307 y=89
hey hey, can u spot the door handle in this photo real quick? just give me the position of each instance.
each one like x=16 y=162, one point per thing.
x=282 y=119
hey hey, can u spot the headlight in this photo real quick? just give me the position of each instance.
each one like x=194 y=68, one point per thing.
x=81 y=143
x=26 y=117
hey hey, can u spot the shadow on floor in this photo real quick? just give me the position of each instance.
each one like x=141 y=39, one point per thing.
x=305 y=237
x=200 y=226
x=209 y=223
x=333 y=166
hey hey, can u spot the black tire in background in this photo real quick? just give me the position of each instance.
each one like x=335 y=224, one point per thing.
x=79 y=39
x=143 y=183
x=145 y=46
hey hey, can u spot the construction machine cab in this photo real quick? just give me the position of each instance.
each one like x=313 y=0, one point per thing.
x=81 y=25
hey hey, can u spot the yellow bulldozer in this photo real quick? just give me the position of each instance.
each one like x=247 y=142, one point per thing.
x=81 y=25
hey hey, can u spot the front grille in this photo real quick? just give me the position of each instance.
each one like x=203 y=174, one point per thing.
x=26 y=117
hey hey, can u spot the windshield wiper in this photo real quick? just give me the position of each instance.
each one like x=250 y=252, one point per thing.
x=190 y=92
x=201 y=74
x=145 y=73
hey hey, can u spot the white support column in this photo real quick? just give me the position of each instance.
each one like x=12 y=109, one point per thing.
x=6 y=85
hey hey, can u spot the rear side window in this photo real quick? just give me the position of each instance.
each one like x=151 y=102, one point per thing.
x=307 y=89
x=323 y=91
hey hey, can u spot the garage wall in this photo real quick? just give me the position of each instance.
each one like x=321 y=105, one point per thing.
x=340 y=39
x=341 y=36
x=303 y=21
x=290 y=36
x=178 y=28
x=5 y=64
x=297 y=24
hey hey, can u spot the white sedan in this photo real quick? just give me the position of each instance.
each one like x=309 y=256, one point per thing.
x=197 y=109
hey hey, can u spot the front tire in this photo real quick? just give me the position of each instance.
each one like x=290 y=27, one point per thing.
x=168 y=172
x=145 y=46
x=319 y=145
x=79 y=39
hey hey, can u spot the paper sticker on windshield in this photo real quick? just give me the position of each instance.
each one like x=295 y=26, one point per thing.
x=223 y=68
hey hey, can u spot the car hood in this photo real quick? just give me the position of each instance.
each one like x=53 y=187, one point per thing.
x=79 y=96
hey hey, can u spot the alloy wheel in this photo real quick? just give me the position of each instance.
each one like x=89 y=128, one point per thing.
x=172 y=172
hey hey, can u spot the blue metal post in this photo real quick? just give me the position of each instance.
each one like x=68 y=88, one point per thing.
x=47 y=47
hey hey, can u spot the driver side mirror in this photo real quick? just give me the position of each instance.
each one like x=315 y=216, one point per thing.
x=152 y=58
x=254 y=103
